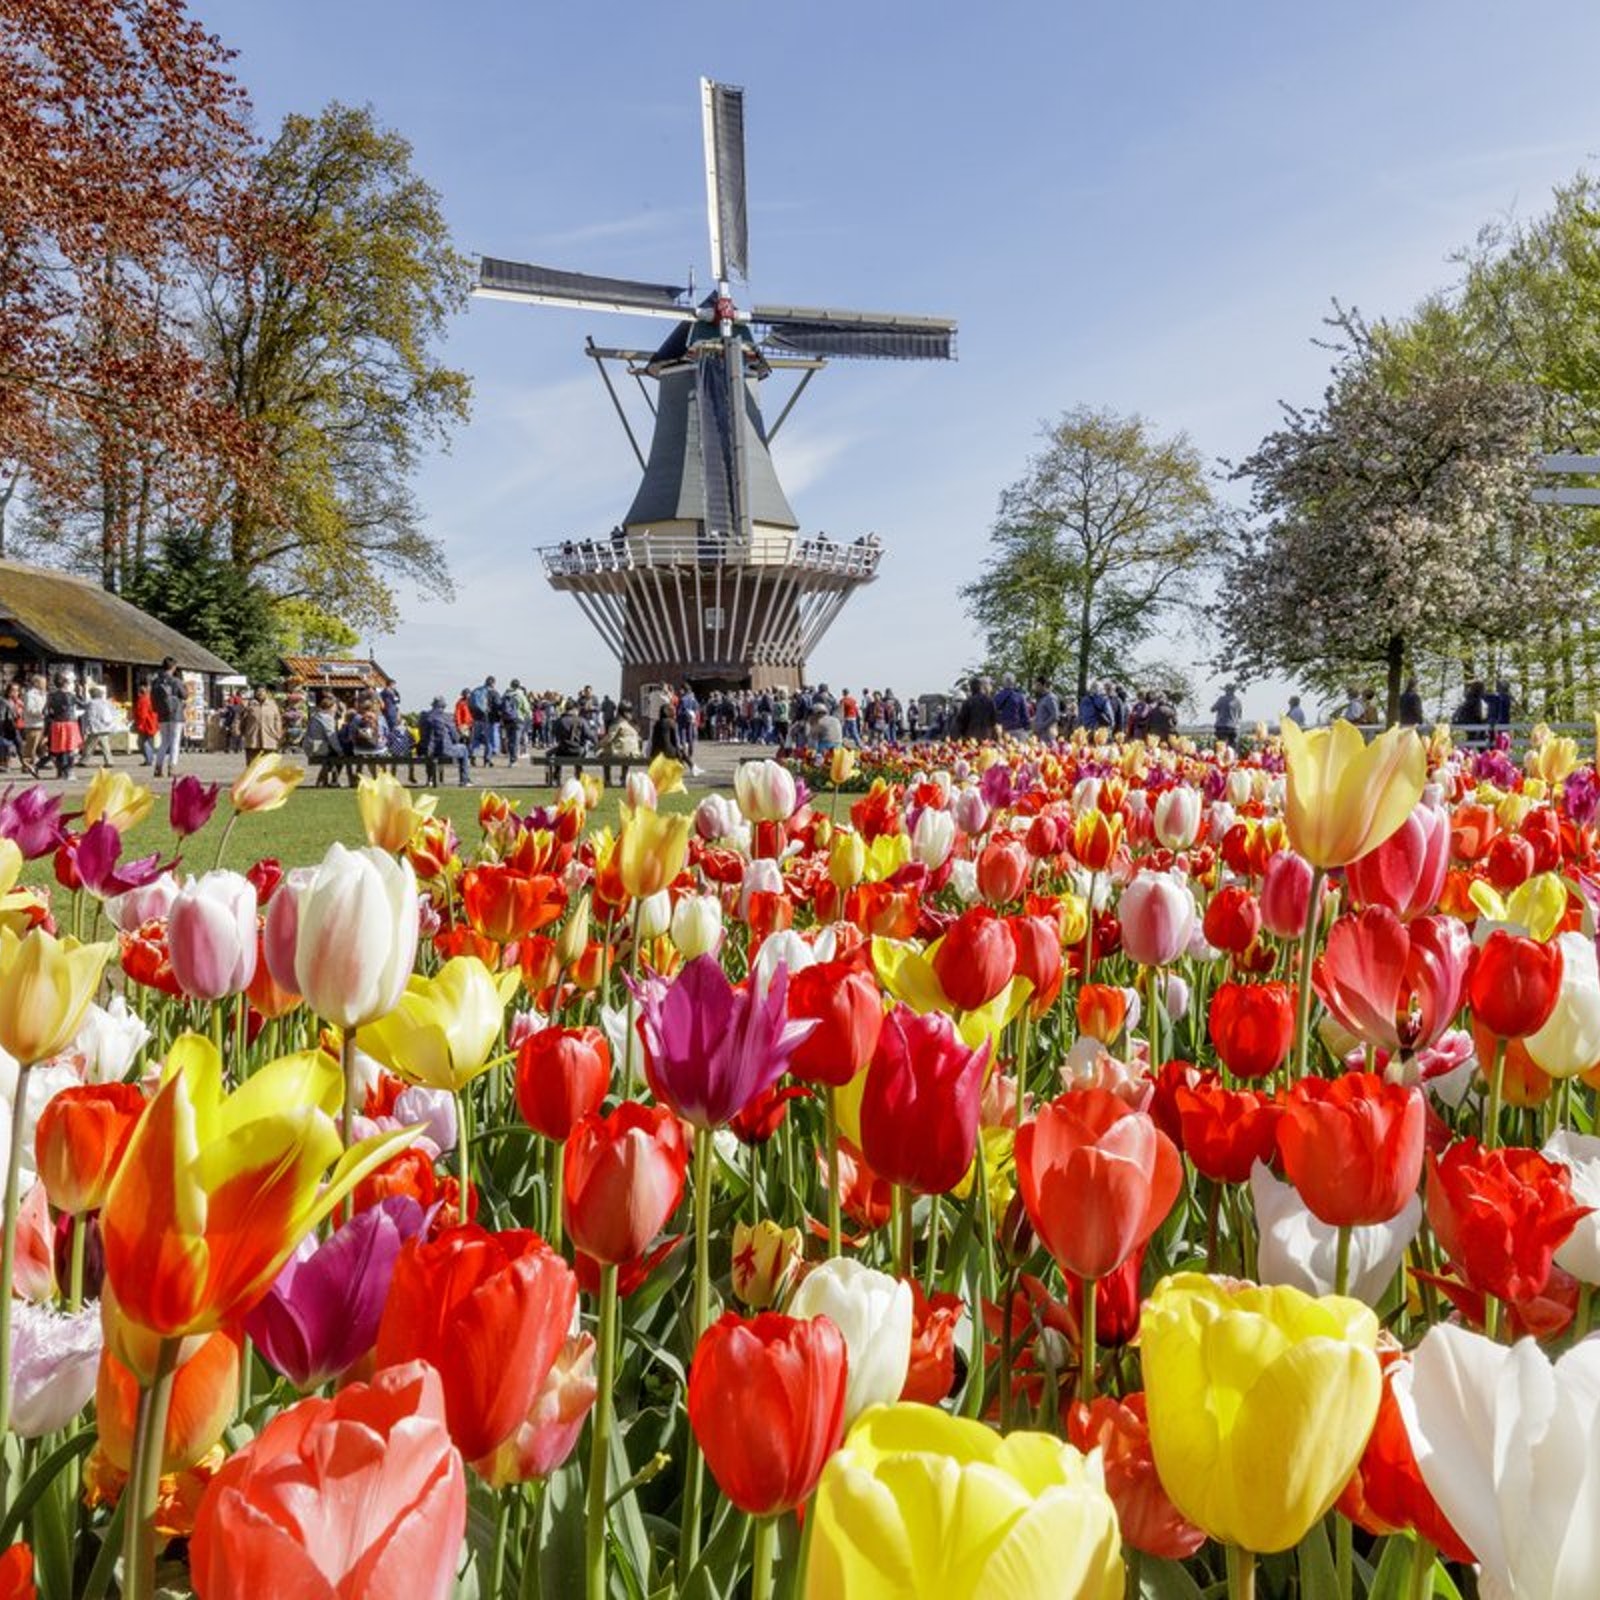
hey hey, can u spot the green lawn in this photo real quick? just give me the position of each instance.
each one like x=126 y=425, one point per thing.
x=301 y=831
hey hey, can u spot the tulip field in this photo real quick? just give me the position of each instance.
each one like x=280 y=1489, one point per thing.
x=987 y=1172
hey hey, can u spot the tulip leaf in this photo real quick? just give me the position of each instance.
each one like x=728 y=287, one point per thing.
x=555 y=1570
x=1318 y=1579
x=1166 y=1580
x=40 y=1479
x=631 y=1541
x=51 y=1536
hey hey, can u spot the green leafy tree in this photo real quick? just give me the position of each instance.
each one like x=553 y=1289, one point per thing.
x=322 y=333
x=1093 y=546
x=194 y=588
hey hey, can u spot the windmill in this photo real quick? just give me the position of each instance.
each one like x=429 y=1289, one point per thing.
x=708 y=578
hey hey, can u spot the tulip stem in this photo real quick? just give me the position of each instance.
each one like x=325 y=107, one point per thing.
x=1422 y=1556
x=1302 y=1010
x=1241 y=1573
x=1344 y=1555
x=694 y=1472
x=629 y=1037
x=222 y=843
x=558 y=1177
x=834 y=1222
x=1497 y=1078
x=144 y=1488
x=761 y=1556
x=600 y=1442
x=80 y=1230
x=463 y=1154
x=1153 y=989
x=1088 y=932
x=1006 y=1316
x=8 y=1257
x=1089 y=1355
x=1341 y=1262
x=931 y=1265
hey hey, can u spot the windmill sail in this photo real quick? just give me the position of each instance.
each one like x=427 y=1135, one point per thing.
x=723 y=109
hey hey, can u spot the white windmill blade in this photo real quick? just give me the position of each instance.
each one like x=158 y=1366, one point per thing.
x=517 y=280
x=722 y=116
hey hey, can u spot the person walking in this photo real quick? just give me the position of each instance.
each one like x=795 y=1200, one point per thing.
x=99 y=723
x=1227 y=710
x=1046 y=711
x=261 y=724
x=1410 y=705
x=664 y=734
x=146 y=724
x=61 y=719
x=168 y=696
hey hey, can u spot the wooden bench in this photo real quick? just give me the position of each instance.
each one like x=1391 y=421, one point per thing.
x=555 y=763
x=331 y=763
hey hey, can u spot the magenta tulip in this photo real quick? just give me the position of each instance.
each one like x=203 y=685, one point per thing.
x=711 y=1048
x=1285 y=895
x=191 y=805
x=321 y=1315
x=32 y=821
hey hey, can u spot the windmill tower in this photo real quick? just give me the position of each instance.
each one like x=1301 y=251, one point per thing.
x=708 y=577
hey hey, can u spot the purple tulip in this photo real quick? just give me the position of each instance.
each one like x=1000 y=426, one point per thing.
x=191 y=805
x=97 y=855
x=32 y=820
x=321 y=1315
x=711 y=1048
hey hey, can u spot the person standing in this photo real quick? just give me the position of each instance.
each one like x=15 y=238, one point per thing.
x=61 y=718
x=688 y=723
x=99 y=723
x=976 y=718
x=1046 y=711
x=1226 y=712
x=168 y=695
x=33 y=703
x=261 y=725
x=146 y=724
x=515 y=712
x=1297 y=712
x=1011 y=707
x=1410 y=705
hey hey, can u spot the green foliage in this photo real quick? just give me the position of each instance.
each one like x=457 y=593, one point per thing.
x=323 y=334
x=1091 y=548
x=192 y=587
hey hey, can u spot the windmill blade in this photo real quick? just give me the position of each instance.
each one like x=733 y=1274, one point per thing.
x=863 y=335
x=515 y=280
x=722 y=109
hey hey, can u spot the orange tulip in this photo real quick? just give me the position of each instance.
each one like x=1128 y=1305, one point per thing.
x=214 y=1191
x=205 y=1390
x=504 y=905
x=80 y=1138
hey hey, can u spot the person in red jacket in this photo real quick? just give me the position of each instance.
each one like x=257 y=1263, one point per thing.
x=146 y=723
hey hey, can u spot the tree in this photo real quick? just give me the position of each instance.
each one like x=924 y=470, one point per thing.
x=1395 y=518
x=122 y=144
x=1092 y=547
x=321 y=332
x=191 y=587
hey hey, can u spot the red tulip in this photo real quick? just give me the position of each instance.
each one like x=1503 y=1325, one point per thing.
x=919 y=1106
x=1226 y=1131
x=1352 y=1147
x=1501 y=1215
x=490 y=1312
x=362 y=1494
x=1148 y=1519
x=1514 y=984
x=1286 y=894
x=16 y=1574
x=623 y=1179
x=79 y=1140
x=1387 y=1494
x=503 y=904
x=1395 y=985
x=1232 y=920
x=975 y=959
x=1038 y=943
x=932 y=1373
x=843 y=999
x=1406 y=873
x=547 y=1436
x=562 y=1075
x=766 y=1402
x=1097 y=1179
x=1252 y=1026
x=1002 y=871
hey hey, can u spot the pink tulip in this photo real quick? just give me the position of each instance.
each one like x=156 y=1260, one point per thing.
x=363 y=1494
x=1395 y=985
x=1177 y=817
x=1285 y=895
x=1406 y=872
x=545 y=1440
x=281 y=928
x=211 y=934
x=1157 y=915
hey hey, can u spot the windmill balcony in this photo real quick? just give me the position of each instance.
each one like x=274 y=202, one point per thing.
x=814 y=554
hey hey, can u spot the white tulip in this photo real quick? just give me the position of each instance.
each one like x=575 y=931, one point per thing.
x=55 y=1358
x=964 y=881
x=356 y=939
x=761 y=876
x=1569 y=1042
x=1177 y=817
x=1509 y=1445
x=1579 y=1153
x=108 y=1039
x=697 y=925
x=45 y=1082
x=873 y=1312
x=766 y=791
x=655 y=914
x=1299 y=1251
x=933 y=838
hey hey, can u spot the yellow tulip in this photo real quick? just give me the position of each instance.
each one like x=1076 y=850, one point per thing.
x=666 y=774
x=444 y=1028
x=907 y=974
x=886 y=855
x=1074 y=920
x=1260 y=1403
x=841 y=764
x=46 y=985
x=266 y=783
x=1345 y=796
x=653 y=846
x=1536 y=907
x=919 y=1503
x=1512 y=810
x=115 y=798
x=215 y=1190
x=573 y=939
x=388 y=813
x=10 y=865
x=847 y=859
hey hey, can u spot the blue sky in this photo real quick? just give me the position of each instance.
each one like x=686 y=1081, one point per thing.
x=1143 y=205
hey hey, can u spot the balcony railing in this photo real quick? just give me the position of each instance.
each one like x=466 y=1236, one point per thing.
x=620 y=553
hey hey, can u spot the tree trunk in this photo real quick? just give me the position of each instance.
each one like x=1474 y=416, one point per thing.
x=1085 y=613
x=1395 y=656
